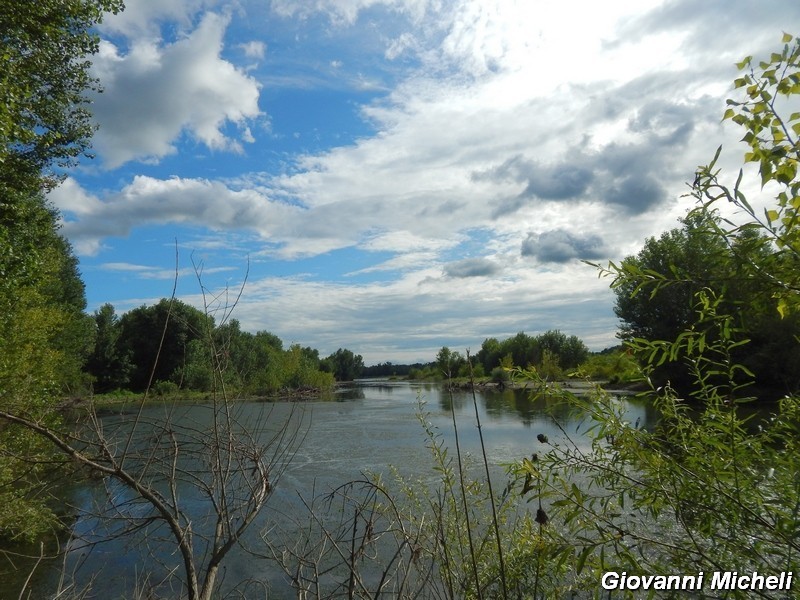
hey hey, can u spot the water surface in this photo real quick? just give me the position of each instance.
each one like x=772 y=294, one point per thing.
x=369 y=427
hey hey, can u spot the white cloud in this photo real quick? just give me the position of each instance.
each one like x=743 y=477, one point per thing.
x=254 y=49
x=154 y=93
x=159 y=273
x=147 y=200
x=411 y=317
x=520 y=137
x=128 y=267
x=346 y=12
x=71 y=197
x=142 y=18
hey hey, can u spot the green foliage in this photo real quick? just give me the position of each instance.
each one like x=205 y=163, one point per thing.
x=44 y=336
x=453 y=515
x=449 y=363
x=710 y=487
x=344 y=364
x=548 y=350
x=548 y=367
x=44 y=78
x=165 y=388
x=656 y=290
x=43 y=339
x=107 y=363
x=249 y=364
x=774 y=140
x=157 y=338
x=617 y=366
x=703 y=491
x=500 y=375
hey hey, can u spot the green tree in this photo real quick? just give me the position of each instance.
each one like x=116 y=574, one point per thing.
x=344 y=364
x=450 y=363
x=44 y=79
x=153 y=358
x=108 y=365
x=43 y=338
x=489 y=355
x=523 y=349
x=692 y=257
x=44 y=335
x=568 y=351
x=657 y=298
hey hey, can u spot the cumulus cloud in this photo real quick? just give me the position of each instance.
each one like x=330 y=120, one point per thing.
x=153 y=93
x=560 y=246
x=636 y=193
x=410 y=317
x=147 y=200
x=496 y=121
x=549 y=182
x=471 y=267
x=254 y=49
x=144 y=17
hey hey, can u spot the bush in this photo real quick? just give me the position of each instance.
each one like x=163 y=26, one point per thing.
x=165 y=388
x=500 y=375
x=615 y=367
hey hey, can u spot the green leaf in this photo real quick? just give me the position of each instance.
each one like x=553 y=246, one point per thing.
x=582 y=559
x=783 y=307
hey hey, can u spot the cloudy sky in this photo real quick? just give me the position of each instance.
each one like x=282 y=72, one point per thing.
x=391 y=176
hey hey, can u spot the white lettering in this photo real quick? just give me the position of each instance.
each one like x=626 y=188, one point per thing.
x=691 y=582
x=610 y=580
x=722 y=580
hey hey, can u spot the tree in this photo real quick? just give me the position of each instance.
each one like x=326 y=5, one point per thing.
x=692 y=257
x=141 y=331
x=568 y=351
x=44 y=335
x=44 y=79
x=657 y=300
x=43 y=339
x=344 y=364
x=44 y=124
x=489 y=355
x=108 y=364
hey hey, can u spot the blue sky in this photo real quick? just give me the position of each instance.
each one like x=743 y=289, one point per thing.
x=392 y=176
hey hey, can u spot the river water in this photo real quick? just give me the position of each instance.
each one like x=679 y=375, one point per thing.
x=370 y=427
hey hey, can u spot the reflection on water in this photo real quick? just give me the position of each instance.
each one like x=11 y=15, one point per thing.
x=369 y=427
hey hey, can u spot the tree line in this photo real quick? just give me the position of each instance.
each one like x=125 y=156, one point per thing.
x=181 y=338
x=552 y=353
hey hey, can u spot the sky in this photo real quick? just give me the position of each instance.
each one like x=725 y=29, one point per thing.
x=393 y=176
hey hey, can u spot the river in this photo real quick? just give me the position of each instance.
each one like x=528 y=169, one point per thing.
x=367 y=428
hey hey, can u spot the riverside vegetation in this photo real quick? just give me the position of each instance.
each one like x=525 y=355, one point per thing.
x=708 y=489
